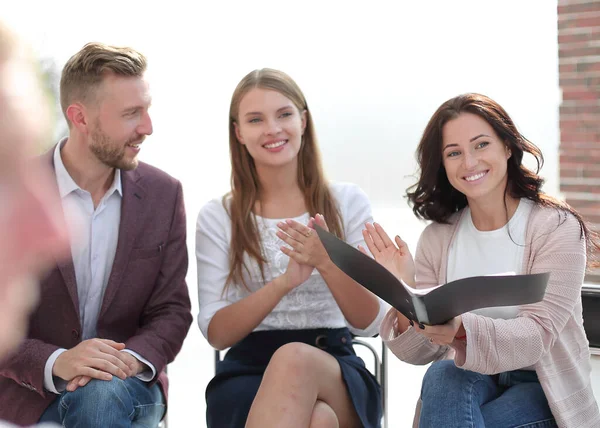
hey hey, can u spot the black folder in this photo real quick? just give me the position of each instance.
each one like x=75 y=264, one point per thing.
x=435 y=305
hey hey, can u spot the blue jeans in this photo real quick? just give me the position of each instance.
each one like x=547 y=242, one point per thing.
x=116 y=403
x=453 y=397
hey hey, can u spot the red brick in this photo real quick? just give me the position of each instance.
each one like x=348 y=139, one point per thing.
x=579 y=169
x=583 y=67
x=578 y=8
x=567 y=51
x=580 y=93
x=586 y=36
x=579 y=65
x=593 y=219
x=588 y=217
x=582 y=150
x=590 y=117
x=586 y=212
x=589 y=207
x=580 y=188
x=579 y=145
x=578 y=126
x=577 y=109
x=567 y=68
x=589 y=121
x=578 y=21
x=577 y=136
x=582 y=157
x=583 y=80
x=567 y=2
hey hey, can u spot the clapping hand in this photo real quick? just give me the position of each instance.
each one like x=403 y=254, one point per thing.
x=395 y=257
x=306 y=247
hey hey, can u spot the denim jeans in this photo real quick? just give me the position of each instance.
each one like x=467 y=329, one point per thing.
x=453 y=397
x=116 y=403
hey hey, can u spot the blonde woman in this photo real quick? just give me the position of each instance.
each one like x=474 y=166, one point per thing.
x=266 y=286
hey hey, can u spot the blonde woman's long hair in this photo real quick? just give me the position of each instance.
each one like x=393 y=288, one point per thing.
x=244 y=179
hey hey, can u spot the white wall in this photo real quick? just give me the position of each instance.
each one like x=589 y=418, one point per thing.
x=373 y=73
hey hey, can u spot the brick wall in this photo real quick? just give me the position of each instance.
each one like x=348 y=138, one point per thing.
x=579 y=79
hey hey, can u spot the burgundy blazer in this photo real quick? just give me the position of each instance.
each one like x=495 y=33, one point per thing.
x=146 y=303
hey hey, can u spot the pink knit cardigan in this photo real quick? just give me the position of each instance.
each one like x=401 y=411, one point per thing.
x=548 y=335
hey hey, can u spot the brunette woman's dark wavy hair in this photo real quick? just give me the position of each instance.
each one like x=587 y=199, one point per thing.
x=434 y=198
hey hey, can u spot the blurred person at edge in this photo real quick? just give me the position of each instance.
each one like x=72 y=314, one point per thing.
x=32 y=231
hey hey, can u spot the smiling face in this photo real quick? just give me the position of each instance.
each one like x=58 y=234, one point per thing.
x=474 y=157
x=121 y=122
x=270 y=126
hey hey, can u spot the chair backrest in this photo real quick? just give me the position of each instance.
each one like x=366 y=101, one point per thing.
x=590 y=298
x=380 y=372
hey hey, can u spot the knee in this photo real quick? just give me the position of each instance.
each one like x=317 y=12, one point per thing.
x=293 y=359
x=98 y=392
x=323 y=416
x=443 y=377
x=440 y=370
x=441 y=374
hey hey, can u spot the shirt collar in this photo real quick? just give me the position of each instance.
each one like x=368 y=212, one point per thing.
x=67 y=185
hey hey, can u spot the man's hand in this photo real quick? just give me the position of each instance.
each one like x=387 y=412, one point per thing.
x=134 y=364
x=95 y=358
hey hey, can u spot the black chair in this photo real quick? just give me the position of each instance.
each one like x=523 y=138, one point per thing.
x=590 y=299
x=379 y=371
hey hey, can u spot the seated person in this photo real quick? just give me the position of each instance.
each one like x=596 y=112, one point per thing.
x=116 y=313
x=525 y=366
x=266 y=286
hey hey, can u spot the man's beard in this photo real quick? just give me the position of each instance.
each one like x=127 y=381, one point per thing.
x=111 y=153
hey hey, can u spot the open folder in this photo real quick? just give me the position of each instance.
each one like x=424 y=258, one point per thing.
x=439 y=304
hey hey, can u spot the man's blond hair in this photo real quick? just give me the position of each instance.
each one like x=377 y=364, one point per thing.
x=83 y=73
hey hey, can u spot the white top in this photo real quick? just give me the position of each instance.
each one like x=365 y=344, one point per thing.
x=310 y=305
x=94 y=235
x=474 y=252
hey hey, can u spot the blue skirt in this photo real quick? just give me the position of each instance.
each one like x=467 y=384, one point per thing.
x=230 y=393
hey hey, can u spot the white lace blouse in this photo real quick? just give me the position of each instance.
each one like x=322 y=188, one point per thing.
x=310 y=305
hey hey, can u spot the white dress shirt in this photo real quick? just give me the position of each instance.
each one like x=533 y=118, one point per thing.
x=94 y=235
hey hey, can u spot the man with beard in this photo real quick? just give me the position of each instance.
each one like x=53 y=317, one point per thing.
x=116 y=313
